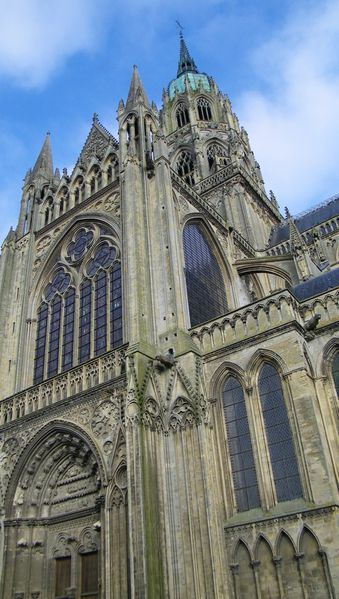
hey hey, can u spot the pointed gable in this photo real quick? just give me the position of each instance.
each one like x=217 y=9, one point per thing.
x=97 y=143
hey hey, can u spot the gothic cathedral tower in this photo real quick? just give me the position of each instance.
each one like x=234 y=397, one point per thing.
x=169 y=368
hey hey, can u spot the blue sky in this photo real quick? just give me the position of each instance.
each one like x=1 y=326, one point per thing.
x=278 y=61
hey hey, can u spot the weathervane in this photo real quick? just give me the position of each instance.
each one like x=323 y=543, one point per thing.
x=180 y=27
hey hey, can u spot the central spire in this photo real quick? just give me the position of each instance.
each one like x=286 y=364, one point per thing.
x=186 y=62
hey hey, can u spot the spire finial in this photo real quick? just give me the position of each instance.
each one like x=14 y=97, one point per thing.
x=186 y=62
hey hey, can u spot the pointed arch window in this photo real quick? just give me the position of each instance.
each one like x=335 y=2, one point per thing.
x=90 y=313
x=204 y=109
x=279 y=435
x=40 y=347
x=185 y=167
x=182 y=115
x=205 y=286
x=335 y=372
x=216 y=156
x=240 y=446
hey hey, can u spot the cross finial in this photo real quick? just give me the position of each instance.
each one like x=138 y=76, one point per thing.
x=180 y=27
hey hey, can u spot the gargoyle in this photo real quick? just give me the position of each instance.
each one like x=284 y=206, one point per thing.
x=164 y=361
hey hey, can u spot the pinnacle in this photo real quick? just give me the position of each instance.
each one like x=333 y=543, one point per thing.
x=44 y=164
x=136 y=91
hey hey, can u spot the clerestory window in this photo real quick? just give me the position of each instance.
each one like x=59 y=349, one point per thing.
x=205 y=286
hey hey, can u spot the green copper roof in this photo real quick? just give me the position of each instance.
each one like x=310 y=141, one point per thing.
x=196 y=81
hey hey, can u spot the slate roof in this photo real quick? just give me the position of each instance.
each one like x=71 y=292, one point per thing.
x=316 y=285
x=307 y=220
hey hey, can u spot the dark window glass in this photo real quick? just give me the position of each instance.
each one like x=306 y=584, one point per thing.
x=85 y=320
x=68 y=332
x=279 y=436
x=205 y=286
x=100 y=318
x=54 y=336
x=78 y=247
x=204 y=110
x=240 y=447
x=115 y=306
x=62 y=576
x=89 y=575
x=40 y=344
x=335 y=372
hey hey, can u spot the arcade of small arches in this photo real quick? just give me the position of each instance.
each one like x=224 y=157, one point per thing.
x=286 y=572
x=70 y=193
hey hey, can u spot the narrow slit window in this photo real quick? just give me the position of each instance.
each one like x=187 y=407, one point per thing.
x=240 y=446
x=85 y=321
x=54 y=336
x=116 y=306
x=68 y=330
x=279 y=435
x=100 y=318
x=40 y=347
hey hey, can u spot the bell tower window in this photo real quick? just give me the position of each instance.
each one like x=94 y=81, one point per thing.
x=185 y=167
x=204 y=110
x=182 y=115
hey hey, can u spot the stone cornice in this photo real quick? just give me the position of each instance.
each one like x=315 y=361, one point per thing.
x=299 y=514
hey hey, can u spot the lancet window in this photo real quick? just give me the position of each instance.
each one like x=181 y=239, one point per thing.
x=205 y=286
x=279 y=435
x=182 y=115
x=185 y=167
x=204 y=109
x=80 y=316
x=240 y=446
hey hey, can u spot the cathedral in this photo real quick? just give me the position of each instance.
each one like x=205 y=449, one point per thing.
x=169 y=367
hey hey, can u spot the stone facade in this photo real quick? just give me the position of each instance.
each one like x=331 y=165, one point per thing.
x=123 y=458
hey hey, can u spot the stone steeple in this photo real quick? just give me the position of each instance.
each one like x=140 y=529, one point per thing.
x=186 y=62
x=44 y=164
x=136 y=92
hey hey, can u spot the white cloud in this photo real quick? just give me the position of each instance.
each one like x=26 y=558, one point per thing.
x=37 y=35
x=293 y=121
